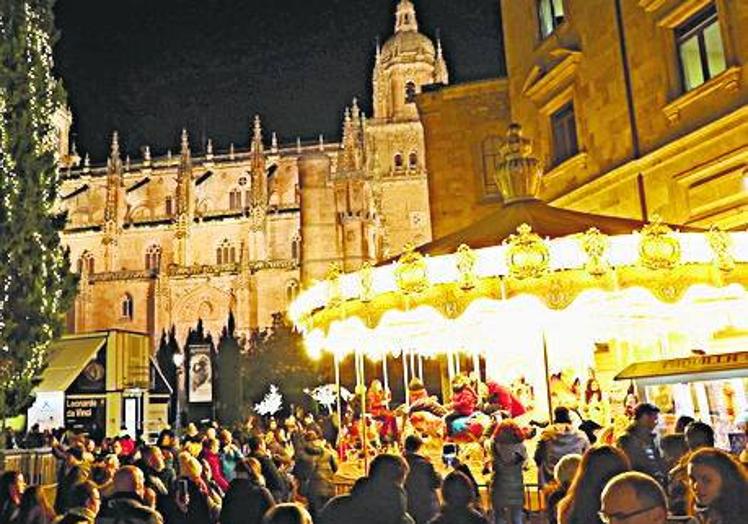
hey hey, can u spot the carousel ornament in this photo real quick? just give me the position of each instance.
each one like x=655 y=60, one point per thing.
x=334 y=293
x=411 y=272
x=658 y=247
x=527 y=255
x=595 y=245
x=466 y=260
x=721 y=245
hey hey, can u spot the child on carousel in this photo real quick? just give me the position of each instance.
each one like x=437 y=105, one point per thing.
x=464 y=402
x=378 y=399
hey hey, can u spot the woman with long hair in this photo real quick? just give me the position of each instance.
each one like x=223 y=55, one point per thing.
x=582 y=503
x=34 y=508
x=12 y=486
x=719 y=485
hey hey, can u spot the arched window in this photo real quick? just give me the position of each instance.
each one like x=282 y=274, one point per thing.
x=225 y=253
x=127 y=307
x=153 y=257
x=412 y=160
x=235 y=199
x=292 y=290
x=410 y=92
x=86 y=262
x=398 y=161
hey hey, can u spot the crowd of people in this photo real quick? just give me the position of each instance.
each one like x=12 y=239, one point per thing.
x=284 y=472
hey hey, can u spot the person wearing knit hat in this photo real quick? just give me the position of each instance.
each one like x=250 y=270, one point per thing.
x=563 y=474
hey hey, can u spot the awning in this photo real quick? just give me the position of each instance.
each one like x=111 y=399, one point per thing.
x=697 y=368
x=66 y=359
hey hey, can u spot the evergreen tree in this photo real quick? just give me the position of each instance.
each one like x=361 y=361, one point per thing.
x=228 y=375
x=278 y=357
x=36 y=287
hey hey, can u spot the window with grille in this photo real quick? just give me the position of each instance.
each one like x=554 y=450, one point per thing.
x=86 y=262
x=235 y=199
x=564 y=129
x=398 y=160
x=127 y=307
x=412 y=160
x=550 y=16
x=225 y=253
x=700 y=50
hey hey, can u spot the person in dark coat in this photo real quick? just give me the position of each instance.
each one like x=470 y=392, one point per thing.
x=557 y=440
x=274 y=481
x=421 y=483
x=86 y=503
x=12 y=486
x=127 y=503
x=640 y=445
x=382 y=498
x=74 y=471
x=507 y=487
x=459 y=498
x=247 y=500
x=319 y=486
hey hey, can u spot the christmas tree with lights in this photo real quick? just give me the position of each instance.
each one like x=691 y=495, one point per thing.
x=36 y=286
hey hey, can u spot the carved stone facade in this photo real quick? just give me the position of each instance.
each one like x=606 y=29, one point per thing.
x=170 y=240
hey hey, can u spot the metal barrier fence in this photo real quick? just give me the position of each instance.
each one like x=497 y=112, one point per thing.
x=39 y=466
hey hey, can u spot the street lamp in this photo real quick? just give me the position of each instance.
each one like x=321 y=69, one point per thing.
x=178 y=359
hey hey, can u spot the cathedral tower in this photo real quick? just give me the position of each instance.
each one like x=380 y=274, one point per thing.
x=395 y=154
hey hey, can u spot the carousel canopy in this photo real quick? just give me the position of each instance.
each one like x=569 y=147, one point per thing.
x=515 y=269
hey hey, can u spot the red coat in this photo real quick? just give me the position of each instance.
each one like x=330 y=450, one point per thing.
x=215 y=468
x=464 y=401
x=504 y=397
x=377 y=403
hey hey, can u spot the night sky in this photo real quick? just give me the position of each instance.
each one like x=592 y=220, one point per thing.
x=150 y=67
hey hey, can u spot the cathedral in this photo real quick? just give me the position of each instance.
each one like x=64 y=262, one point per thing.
x=162 y=242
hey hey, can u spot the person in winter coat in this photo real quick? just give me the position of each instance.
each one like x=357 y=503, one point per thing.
x=127 y=504
x=719 y=485
x=319 y=486
x=459 y=499
x=640 y=445
x=210 y=454
x=274 y=481
x=12 y=486
x=381 y=499
x=229 y=453
x=464 y=401
x=247 y=499
x=508 y=487
x=85 y=501
x=75 y=471
x=421 y=483
x=200 y=506
x=557 y=440
x=501 y=398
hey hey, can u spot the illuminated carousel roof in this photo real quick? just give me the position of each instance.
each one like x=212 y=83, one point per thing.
x=527 y=258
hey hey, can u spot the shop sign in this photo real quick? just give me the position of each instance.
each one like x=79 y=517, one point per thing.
x=83 y=412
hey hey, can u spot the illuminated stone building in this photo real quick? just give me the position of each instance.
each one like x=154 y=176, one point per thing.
x=637 y=107
x=170 y=240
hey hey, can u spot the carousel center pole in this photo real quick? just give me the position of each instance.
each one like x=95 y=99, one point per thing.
x=547 y=378
x=405 y=379
x=362 y=391
x=336 y=362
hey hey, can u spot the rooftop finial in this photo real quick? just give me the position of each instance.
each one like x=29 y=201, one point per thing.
x=257 y=134
x=298 y=145
x=232 y=154
x=321 y=142
x=147 y=153
x=405 y=17
x=274 y=142
x=185 y=140
x=355 y=111
x=115 y=145
x=209 y=148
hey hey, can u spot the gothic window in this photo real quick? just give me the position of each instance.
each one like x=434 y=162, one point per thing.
x=398 y=161
x=412 y=160
x=225 y=253
x=169 y=206
x=550 y=16
x=292 y=290
x=127 y=307
x=700 y=48
x=86 y=262
x=410 y=92
x=235 y=199
x=153 y=257
x=295 y=247
x=564 y=130
x=491 y=161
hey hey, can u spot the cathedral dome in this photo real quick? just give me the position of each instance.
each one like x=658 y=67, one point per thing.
x=407 y=43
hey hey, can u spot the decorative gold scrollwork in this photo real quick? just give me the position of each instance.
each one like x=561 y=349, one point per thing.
x=466 y=259
x=334 y=294
x=658 y=247
x=411 y=271
x=595 y=245
x=367 y=282
x=721 y=244
x=527 y=255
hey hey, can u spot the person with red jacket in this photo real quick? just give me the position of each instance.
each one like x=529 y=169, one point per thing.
x=210 y=455
x=501 y=398
x=464 y=401
x=378 y=399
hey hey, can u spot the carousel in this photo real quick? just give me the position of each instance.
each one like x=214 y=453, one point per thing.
x=547 y=303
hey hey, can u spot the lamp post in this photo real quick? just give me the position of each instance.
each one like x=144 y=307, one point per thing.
x=178 y=359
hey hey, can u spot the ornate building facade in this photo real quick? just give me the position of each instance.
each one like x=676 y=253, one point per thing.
x=163 y=242
x=636 y=108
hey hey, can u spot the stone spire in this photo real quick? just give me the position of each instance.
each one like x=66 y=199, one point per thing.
x=114 y=163
x=209 y=150
x=441 y=75
x=184 y=198
x=114 y=209
x=405 y=17
x=274 y=142
x=257 y=166
x=520 y=173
